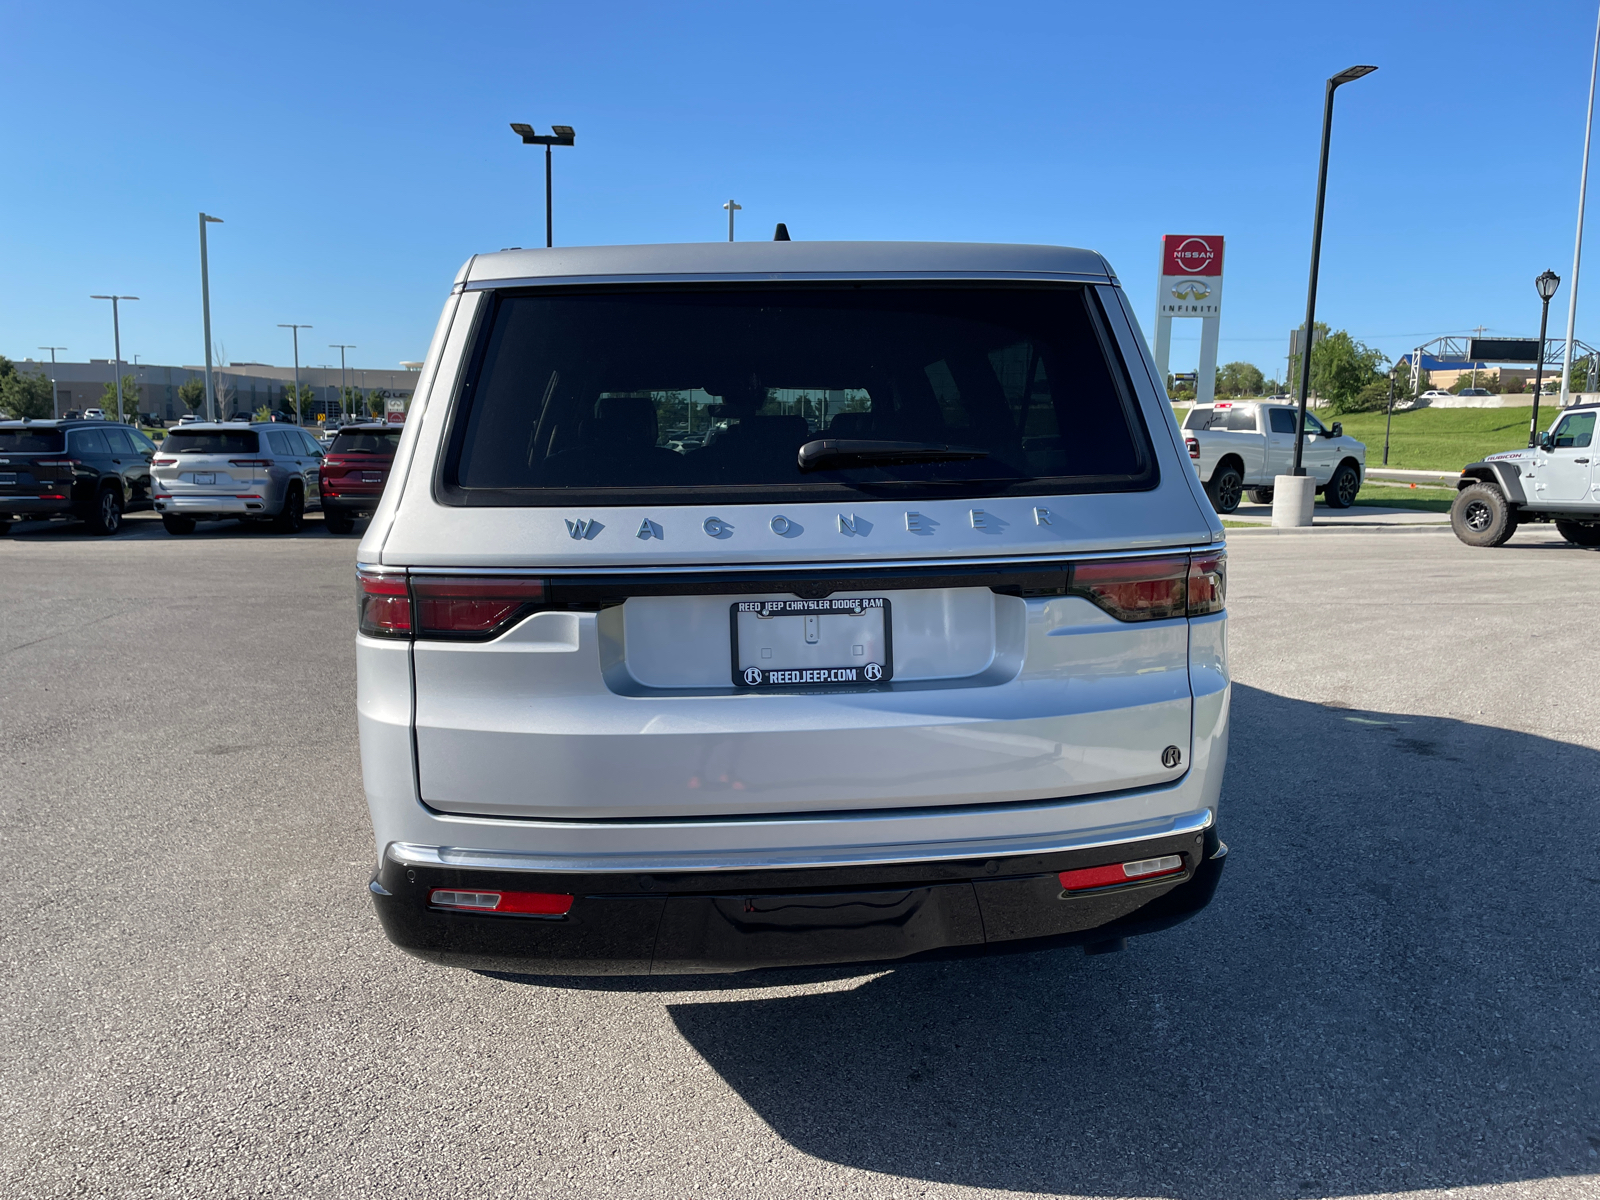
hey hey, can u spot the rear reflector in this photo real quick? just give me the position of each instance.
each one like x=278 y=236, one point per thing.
x=469 y=606
x=383 y=605
x=1115 y=873
x=539 y=904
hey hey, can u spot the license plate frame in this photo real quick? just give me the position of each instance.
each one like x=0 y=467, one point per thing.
x=372 y=477
x=205 y=478
x=864 y=670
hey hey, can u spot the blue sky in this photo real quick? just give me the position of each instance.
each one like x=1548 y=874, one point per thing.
x=359 y=153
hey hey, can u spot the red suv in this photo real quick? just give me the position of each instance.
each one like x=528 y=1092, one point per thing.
x=354 y=472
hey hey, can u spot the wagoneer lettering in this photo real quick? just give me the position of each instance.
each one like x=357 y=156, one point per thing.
x=922 y=600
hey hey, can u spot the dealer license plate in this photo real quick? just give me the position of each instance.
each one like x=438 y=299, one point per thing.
x=372 y=477
x=810 y=643
x=205 y=477
x=8 y=476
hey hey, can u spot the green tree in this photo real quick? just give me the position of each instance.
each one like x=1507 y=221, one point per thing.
x=192 y=394
x=23 y=395
x=307 y=395
x=1240 y=379
x=376 y=401
x=1342 y=367
x=130 y=397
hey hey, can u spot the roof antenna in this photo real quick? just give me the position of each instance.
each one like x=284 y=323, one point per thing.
x=781 y=233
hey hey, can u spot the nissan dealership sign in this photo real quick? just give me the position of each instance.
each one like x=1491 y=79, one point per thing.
x=1191 y=286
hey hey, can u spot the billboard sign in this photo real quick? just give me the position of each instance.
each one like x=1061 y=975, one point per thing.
x=1509 y=350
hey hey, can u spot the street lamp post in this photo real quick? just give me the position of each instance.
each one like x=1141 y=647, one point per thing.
x=732 y=208
x=1547 y=285
x=297 y=329
x=205 y=312
x=52 y=350
x=1348 y=75
x=116 y=337
x=341 y=347
x=561 y=135
x=1388 y=416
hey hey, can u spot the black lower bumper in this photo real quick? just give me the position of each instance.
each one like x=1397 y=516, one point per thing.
x=33 y=506
x=696 y=924
x=353 y=506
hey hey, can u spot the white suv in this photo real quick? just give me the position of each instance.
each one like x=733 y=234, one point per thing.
x=211 y=471
x=924 y=652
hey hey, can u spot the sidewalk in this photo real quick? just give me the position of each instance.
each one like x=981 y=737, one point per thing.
x=1396 y=475
x=1363 y=518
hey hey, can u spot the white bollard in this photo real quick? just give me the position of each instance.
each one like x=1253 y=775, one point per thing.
x=1292 y=498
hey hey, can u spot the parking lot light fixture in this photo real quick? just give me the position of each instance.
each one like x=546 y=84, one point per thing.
x=297 y=329
x=1546 y=285
x=1348 y=75
x=205 y=312
x=559 y=135
x=116 y=337
x=1388 y=417
x=53 y=350
x=341 y=347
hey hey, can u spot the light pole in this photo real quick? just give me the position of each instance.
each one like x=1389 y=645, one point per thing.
x=1547 y=285
x=341 y=347
x=116 y=335
x=561 y=135
x=1577 y=241
x=52 y=350
x=205 y=312
x=732 y=208
x=1389 y=413
x=297 y=329
x=1348 y=75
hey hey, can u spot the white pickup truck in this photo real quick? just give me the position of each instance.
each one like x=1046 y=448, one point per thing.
x=1243 y=444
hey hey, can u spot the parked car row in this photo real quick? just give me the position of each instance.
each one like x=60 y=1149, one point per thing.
x=96 y=471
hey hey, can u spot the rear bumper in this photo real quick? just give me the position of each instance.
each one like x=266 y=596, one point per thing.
x=33 y=506
x=352 y=504
x=707 y=922
x=222 y=506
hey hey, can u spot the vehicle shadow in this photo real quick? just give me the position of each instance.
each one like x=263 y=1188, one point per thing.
x=1395 y=988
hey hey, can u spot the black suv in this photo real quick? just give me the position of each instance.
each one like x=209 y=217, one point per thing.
x=94 y=470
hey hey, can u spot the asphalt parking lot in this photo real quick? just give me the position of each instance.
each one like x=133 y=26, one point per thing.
x=1395 y=990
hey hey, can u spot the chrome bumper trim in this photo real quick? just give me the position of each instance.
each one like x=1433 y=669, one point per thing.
x=411 y=854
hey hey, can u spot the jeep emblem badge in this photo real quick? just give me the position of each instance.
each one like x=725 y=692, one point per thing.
x=1171 y=756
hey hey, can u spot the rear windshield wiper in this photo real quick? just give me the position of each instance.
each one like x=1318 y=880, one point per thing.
x=857 y=452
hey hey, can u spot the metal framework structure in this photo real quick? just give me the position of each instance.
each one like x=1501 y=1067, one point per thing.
x=1450 y=354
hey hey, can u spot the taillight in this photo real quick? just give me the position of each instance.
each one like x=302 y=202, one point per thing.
x=383 y=605
x=1115 y=873
x=536 y=904
x=1208 y=583
x=472 y=606
x=1133 y=589
x=1194 y=446
x=55 y=462
x=249 y=462
x=162 y=462
x=1153 y=589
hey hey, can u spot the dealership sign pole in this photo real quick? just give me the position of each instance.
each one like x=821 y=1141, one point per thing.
x=1191 y=286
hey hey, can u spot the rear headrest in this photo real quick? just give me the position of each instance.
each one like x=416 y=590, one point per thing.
x=628 y=420
x=851 y=425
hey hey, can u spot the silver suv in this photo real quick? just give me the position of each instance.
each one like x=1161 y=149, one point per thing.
x=259 y=472
x=746 y=605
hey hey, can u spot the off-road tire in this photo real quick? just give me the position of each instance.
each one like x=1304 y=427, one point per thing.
x=1341 y=490
x=336 y=522
x=1480 y=516
x=1226 y=489
x=1261 y=495
x=1579 y=534
x=105 y=518
x=179 y=526
x=292 y=518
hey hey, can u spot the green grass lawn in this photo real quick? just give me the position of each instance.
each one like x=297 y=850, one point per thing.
x=1421 y=500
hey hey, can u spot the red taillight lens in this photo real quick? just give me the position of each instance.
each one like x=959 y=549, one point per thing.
x=1208 y=583
x=249 y=462
x=383 y=605
x=162 y=462
x=1194 y=446
x=55 y=462
x=537 y=904
x=1134 y=589
x=1153 y=589
x=1115 y=873
x=470 y=606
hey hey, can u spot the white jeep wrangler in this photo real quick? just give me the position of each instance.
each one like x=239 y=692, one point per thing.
x=1555 y=481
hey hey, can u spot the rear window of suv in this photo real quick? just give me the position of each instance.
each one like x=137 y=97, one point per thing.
x=32 y=441
x=211 y=441
x=686 y=396
x=366 y=442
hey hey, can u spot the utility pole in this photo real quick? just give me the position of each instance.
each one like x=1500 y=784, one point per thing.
x=205 y=313
x=52 y=350
x=341 y=347
x=297 y=329
x=1388 y=416
x=116 y=335
x=732 y=208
